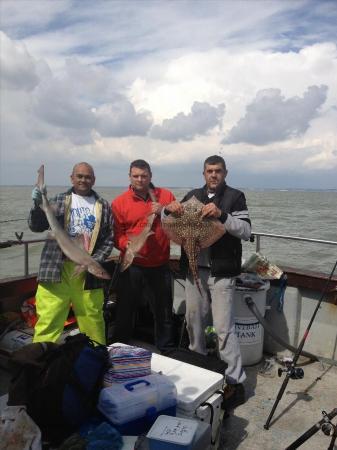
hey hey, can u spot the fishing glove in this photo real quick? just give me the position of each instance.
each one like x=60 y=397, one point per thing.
x=37 y=196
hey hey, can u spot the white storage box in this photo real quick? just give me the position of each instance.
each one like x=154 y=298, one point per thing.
x=195 y=386
x=169 y=433
x=132 y=407
x=172 y=433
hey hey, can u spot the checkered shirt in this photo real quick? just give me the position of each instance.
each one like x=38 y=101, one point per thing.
x=52 y=257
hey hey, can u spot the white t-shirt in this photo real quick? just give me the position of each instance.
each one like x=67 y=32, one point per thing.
x=82 y=217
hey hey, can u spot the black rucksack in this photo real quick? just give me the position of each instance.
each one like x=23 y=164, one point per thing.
x=59 y=384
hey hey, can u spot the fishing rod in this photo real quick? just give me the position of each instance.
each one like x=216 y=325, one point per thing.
x=291 y=370
x=327 y=427
x=115 y=276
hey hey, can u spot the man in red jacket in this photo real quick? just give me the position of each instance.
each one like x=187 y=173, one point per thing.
x=149 y=271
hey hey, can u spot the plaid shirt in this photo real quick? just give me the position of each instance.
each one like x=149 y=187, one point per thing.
x=52 y=257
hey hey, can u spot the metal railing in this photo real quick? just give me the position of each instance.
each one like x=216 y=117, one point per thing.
x=283 y=236
x=256 y=237
x=25 y=244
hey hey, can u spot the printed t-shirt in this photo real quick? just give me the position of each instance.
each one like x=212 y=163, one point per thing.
x=82 y=217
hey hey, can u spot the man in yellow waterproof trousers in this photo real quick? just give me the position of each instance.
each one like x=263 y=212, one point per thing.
x=82 y=213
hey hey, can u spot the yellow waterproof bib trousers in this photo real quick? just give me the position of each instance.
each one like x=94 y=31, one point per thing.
x=53 y=302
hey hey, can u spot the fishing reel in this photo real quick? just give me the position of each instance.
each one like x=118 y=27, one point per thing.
x=327 y=426
x=295 y=373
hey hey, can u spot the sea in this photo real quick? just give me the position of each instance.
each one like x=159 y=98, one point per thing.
x=300 y=213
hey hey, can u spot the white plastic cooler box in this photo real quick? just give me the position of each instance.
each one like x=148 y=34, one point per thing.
x=177 y=433
x=196 y=390
x=133 y=406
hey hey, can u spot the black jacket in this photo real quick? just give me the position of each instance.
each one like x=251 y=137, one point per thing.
x=225 y=254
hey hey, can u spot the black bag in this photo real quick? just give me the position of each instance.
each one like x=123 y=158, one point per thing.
x=59 y=384
x=197 y=359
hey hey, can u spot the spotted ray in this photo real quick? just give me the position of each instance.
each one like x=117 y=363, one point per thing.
x=193 y=232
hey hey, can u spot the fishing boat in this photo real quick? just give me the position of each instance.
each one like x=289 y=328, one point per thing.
x=289 y=306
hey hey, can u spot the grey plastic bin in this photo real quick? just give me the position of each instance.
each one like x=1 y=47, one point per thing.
x=249 y=331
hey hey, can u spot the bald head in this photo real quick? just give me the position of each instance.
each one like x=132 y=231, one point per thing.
x=87 y=165
x=82 y=178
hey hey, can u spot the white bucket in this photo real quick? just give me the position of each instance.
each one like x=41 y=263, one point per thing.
x=249 y=331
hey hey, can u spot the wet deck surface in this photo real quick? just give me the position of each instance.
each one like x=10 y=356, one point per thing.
x=300 y=408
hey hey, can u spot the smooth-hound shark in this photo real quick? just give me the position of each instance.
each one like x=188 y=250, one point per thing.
x=70 y=248
x=136 y=242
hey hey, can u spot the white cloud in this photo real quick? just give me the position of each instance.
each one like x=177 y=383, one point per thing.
x=325 y=158
x=18 y=68
x=89 y=79
x=68 y=106
x=56 y=102
x=19 y=15
x=271 y=117
x=121 y=119
x=202 y=118
x=95 y=30
x=322 y=139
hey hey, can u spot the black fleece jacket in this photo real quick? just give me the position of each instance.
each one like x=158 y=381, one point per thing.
x=226 y=253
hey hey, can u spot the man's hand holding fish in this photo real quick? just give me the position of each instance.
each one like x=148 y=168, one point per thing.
x=145 y=252
x=71 y=274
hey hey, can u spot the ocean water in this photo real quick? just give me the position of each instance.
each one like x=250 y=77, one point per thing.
x=309 y=214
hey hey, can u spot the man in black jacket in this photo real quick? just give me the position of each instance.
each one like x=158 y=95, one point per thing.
x=218 y=266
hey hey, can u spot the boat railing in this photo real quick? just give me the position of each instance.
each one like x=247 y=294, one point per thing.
x=256 y=238
x=26 y=244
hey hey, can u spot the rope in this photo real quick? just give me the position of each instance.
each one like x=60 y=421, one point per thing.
x=211 y=418
x=11 y=220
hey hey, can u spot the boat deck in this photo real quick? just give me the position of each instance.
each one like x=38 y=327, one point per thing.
x=299 y=409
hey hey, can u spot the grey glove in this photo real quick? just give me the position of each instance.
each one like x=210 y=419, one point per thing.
x=37 y=196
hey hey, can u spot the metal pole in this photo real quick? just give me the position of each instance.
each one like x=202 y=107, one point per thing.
x=26 y=259
x=258 y=244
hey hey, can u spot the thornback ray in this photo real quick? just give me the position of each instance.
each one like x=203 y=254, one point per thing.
x=136 y=242
x=193 y=232
x=71 y=249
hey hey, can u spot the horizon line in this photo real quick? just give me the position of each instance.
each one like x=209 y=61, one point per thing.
x=188 y=187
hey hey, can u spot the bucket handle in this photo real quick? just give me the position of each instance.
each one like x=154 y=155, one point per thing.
x=130 y=386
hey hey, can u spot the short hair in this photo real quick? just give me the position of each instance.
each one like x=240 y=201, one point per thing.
x=215 y=159
x=140 y=164
x=83 y=163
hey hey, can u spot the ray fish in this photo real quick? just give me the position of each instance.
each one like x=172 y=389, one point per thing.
x=193 y=232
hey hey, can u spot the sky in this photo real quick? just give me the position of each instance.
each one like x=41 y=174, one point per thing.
x=171 y=82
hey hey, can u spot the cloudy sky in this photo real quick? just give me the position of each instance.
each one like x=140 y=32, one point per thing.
x=172 y=82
